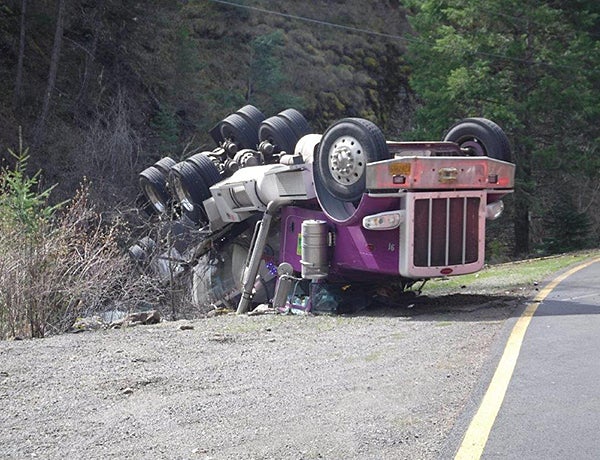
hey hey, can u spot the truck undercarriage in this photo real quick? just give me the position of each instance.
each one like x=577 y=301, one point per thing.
x=284 y=216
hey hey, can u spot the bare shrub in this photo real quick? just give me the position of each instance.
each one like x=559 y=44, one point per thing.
x=112 y=144
x=58 y=264
x=110 y=150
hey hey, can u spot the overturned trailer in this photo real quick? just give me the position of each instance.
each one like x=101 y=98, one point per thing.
x=299 y=212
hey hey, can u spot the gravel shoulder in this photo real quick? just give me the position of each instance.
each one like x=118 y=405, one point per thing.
x=382 y=383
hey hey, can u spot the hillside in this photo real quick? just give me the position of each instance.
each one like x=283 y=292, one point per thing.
x=136 y=81
x=101 y=89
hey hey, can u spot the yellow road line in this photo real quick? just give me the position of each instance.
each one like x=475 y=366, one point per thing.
x=478 y=432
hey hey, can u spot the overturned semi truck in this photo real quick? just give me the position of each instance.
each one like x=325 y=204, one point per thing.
x=283 y=210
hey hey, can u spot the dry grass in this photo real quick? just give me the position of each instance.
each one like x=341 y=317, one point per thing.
x=59 y=268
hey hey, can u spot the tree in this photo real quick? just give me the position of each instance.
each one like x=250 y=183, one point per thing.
x=19 y=79
x=54 y=59
x=81 y=100
x=265 y=69
x=570 y=237
x=265 y=81
x=527 y=65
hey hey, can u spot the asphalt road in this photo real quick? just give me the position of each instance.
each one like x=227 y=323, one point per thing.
x=550 y=407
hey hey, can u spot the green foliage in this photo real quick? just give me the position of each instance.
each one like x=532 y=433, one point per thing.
x=21 y=204
x=165 y=125
x=186 y=57
x=522 y=64
x=570 y=228
x=498 y=242
x=265 y=67
x=501 y=61
x=266 y=78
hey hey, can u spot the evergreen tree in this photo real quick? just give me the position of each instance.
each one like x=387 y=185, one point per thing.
x=570 y=228
x=528 y=65
x=266 y=79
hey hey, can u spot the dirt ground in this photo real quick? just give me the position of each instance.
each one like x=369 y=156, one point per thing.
x=385 y=383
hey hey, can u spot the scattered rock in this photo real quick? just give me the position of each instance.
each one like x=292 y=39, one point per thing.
x=94 y=323
x=221 y=338
x=135 y=319
x=218 y=312
x=262 y=309
x=186 y=327
x=91 y=323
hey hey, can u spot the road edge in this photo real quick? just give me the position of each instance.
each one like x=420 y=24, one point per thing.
x=469 y=436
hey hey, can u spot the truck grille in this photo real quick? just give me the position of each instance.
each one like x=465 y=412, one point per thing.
x=446 y=231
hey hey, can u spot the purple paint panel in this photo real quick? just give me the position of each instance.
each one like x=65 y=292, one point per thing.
x=363 y=250
x=355 y=251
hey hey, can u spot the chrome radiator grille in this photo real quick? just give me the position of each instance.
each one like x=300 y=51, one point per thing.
x=446 y=231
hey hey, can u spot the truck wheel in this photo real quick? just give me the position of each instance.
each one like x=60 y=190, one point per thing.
x=240 y=131
x=206 y=168
x=279 y=133
x=190 y=190
x=480 y=137
x=341 y=159
x=165 y=164
x=153 y=181
x=296 y=121
x=252 y=114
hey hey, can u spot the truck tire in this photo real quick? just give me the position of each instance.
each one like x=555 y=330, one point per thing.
x=191 y=190
x=341 y=160
x=153 y=183
x=206 y=168
x=481 y=137
x=254 y=116
x=296 y=121
x=165 y=164
x=240 y=131
x=279 y=133
x=339 y=192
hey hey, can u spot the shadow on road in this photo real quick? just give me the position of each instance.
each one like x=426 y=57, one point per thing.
x=448 y=307
x=566 y=308
x=462 y=307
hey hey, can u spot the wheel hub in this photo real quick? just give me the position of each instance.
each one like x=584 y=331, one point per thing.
x=474 y=146
x=346 y=160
